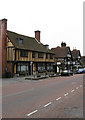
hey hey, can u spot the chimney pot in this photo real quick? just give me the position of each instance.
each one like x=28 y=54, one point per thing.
x=63 y=44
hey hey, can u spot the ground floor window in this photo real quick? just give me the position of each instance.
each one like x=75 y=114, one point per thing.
x=50 y=66
x=41 y=67
x=22 y=67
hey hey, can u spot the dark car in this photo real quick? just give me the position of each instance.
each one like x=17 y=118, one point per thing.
x=66 y=73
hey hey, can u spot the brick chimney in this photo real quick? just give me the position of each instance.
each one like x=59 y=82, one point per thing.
x=3 y=28
x=37 y=35
x=63 y=44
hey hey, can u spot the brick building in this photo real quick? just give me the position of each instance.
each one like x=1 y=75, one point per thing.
x=20 y=53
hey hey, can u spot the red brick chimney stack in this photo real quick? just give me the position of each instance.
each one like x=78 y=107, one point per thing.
x=37 y=35
x=3 y=28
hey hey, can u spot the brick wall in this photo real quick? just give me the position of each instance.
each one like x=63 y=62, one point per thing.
x=0 y=51
x=3 y=51
x=3 y=29
x=10 y=68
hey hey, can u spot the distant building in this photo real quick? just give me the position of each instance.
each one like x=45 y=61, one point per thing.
x=22 y=54
x=83 y=61
x=63 y=58
x=76 y=58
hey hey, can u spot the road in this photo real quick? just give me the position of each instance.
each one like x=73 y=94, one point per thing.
x=58 y=97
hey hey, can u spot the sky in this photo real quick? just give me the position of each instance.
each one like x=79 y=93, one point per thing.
x=58 y=20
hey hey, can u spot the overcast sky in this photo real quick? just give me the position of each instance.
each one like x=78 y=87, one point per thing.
x=58 y=20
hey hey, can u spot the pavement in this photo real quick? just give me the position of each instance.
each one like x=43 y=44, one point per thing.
x=58 y=97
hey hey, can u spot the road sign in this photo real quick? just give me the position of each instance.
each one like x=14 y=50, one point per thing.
x=31 y=63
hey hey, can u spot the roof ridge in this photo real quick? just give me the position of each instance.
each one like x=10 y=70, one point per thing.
x=29 y=42
x=20 y=34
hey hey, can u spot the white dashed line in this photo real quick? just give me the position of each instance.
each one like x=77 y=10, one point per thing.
x=58 y=98
x=47 y=104
x=77 y=87
x=80 y=85
x=72 y=90
x=32 y=113
x=66 y=94
x=51 y=102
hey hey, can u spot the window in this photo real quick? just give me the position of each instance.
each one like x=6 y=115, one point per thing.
x=40 y=55
x=22 y=67
x=24 y=53
x=49 y=66
x=51 y=56
x=33 y=54
x=20 y=41
x=41 y=67
x=46 y=55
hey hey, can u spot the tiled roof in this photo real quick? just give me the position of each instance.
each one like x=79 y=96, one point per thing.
x=60 y=52
x=75 y=53
x=29 y=43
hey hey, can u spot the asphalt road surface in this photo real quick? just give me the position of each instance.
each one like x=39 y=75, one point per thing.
x=58 y=97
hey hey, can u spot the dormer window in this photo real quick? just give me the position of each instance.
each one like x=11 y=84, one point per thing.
x=20 y=41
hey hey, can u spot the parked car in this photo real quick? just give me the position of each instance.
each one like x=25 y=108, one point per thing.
x=81 y=70
x=66 y=73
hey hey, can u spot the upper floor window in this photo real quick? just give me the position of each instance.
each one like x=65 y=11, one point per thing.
x=46 y=55
x=51 y=56
x=40 y=55
x=24 y=53
x=33 y=54
x=20 y=41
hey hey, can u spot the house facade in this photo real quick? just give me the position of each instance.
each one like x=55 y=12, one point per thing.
x=63 y=58
x=76 y=58
x=23 y=55
x=83 y=61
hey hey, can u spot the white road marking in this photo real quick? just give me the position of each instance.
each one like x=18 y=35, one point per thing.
x=47 y=104
x=72 y=90
x=77 y=87
x=58 y=98
x=32 y=113
x=80 y=85
x=66 y=94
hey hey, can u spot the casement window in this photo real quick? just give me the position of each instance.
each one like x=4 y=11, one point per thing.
x=49 y=66
x=23 y=53
x=51 y=56
x=46 y=55
x=40 y=55
x=22 y=67
x=33 y=54
x=41 y=67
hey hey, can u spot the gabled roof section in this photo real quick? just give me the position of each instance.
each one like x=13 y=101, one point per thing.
x=61 y=52
x=75 y=54
x=29 y=43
